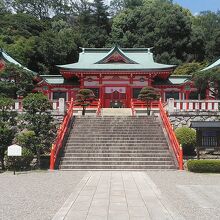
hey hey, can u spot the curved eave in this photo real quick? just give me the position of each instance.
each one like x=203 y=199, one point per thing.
x=7 y=58
x=112 y=70
x=214 y=65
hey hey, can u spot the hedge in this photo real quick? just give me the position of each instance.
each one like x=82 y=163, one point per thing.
x=187 y=138
x=204 y=166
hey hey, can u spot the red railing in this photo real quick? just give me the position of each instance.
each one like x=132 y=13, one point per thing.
x=172 y=137
x=99 y=108
x=141 y=104
x=60 y=136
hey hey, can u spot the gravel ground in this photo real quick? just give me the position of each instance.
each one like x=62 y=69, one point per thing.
x=195 y=196
x=35 y=195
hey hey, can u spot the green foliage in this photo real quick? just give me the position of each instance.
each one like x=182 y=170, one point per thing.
x=6 y=115
x=148 y=94
x=41 y=33
x=84 y=98
x=140 y=27
x=209 y=23
x=36 y=103
x=204 y=166
x=26 y=139
x=37 y=118
x=188 y=68
x=7 y=129
x=6 y=138
x=58 y=47
x=187 y=138
x=18 y=79
x=207 y=80
x=21 y=163
x=37 y=8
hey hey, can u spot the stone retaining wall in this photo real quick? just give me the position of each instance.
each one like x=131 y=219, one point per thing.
x=180 y=119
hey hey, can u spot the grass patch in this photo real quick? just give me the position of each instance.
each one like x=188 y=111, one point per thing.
x=204 y=166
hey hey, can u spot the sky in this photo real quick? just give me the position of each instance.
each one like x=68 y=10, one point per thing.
x=197 y=6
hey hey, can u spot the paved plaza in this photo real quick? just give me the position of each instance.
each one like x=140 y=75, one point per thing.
x=76 y=195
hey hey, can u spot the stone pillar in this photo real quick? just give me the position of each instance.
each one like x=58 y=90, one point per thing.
x=62 y=106
x=170 y=105
x=17 y=105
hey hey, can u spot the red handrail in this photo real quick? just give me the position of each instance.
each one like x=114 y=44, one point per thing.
x=172 y=137
x=60 y=136
x=98 y=112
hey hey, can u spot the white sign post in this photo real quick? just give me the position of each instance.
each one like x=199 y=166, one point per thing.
x=14 y=151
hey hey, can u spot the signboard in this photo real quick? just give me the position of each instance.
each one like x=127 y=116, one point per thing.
x=14 y=151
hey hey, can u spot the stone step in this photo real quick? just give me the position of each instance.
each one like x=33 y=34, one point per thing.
x=115 y=151
x=118 y=151
x=115 y=159
x=115 y=162
x=80 y=135
x=119 y=146
x=129 y=138
x=117 y=167
x=112 y=154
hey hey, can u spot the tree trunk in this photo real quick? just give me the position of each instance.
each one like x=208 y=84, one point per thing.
x=84 y=110
x=2 y=161
x=38 y=158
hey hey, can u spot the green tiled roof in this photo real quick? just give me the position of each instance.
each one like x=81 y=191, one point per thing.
x=8 y=58
x=173 y=80
x=58 y=80
x=89 y=59
x=215 y=64
x=53 y=79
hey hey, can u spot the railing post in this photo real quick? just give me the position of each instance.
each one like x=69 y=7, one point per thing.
x=52 y=158
x=181 y=158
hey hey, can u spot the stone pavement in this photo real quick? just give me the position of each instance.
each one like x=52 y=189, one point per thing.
x=116 y=195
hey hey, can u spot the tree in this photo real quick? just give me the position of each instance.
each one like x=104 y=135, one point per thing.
x=209 y=24
x=170 y=35
x=58 y=47
x=37 y=8
x=7 y=123
x=18 y=79
x=26 y=139
x=148 y=94
x=188 y=68
x=94 y=24
x=116 y=6
x=37 y=118
x=84 y=99
x=3 y=7
x=208 y=80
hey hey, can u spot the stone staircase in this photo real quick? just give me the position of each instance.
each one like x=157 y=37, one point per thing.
x=116 y=142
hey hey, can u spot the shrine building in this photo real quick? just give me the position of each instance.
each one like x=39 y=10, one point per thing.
x=113 y=74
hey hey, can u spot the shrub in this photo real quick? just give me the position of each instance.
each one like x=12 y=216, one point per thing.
x=23 y=162
x=204 y=166
x=187 y=138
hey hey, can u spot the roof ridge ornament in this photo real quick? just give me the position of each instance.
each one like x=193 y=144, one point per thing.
x=149 y=49
x=83 y=49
